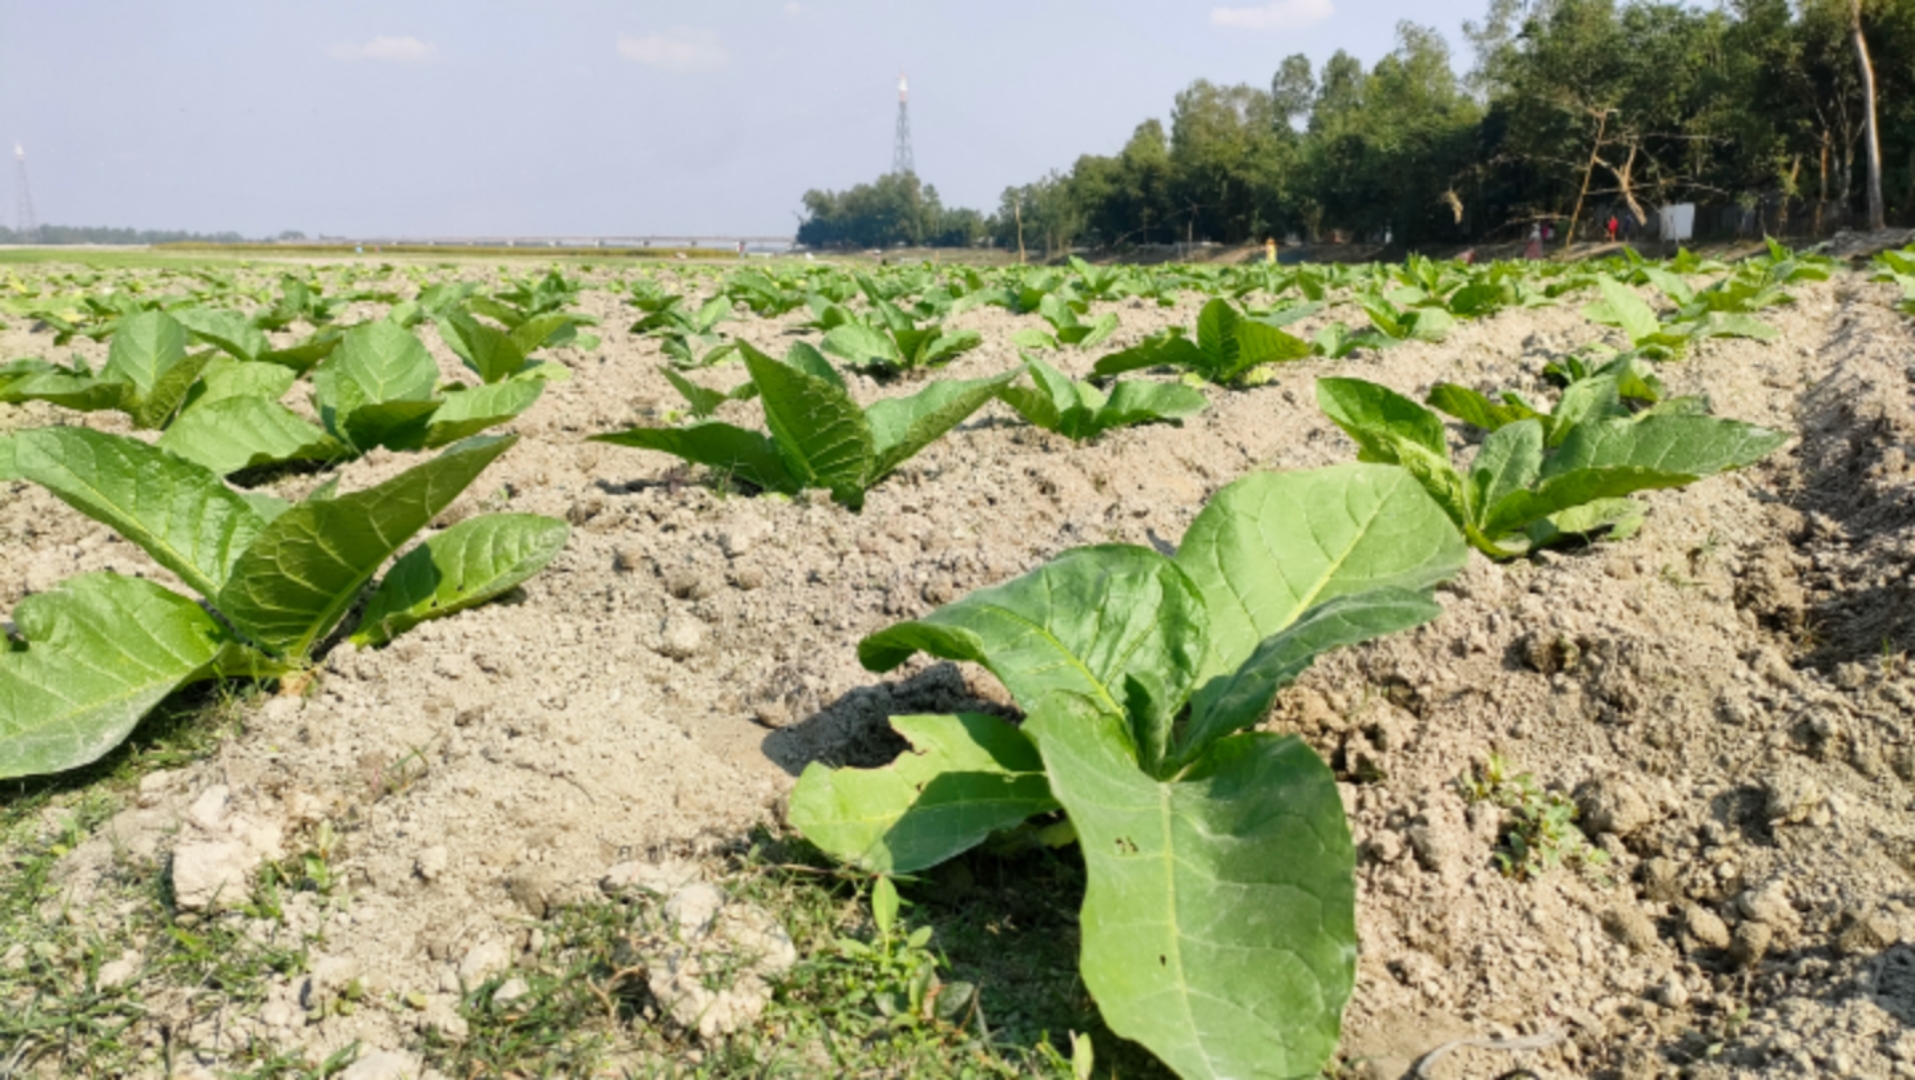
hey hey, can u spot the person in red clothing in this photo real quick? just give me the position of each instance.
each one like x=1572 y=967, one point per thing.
x=1611 y=228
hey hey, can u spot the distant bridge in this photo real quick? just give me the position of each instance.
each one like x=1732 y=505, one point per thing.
x=682 y=240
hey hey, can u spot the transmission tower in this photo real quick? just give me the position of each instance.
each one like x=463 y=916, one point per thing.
x=23 y=210
x=901 y=161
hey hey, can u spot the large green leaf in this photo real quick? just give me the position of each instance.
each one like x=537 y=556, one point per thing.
x=224 y=378
x=179 y=513
x=234 y=433
x=1083 y=627
x=376 y=363
x=734 y=451
x=470 y=410
x=1137 y=402
x=162 y=401
x=1473 y=408
x=228 y=331
x=965 y=777
x=1372 y=414
x=821 y=433
x=1510 y=460
x=900 y=427
x=1242 y=698
x=487 y=350
x=551 y=328
x=301 y=573
x=1429 y=324
x=1582 y=401
x=1217 y=340
x=1697 y=445
x=862 y=346
x=1272 y=545
x=144 y=347
x=1565 y=491
x=474 y=561
x=100 y=651
x=36 y=380
x=1173 y=350
x=400 y=425
x=1219 y=918
x=1622 y=308
x=1259 y=342
x=300 y=357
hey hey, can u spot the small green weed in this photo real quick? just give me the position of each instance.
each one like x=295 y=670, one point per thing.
x=1540 y=831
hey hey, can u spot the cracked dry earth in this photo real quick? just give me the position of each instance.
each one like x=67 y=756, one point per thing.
x=1726 y=697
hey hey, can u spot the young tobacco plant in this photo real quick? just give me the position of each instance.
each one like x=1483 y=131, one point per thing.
x=151 y=375
x=1620 y=388
x=1218 y=920
x=1521 y=492
x=1229 y=347
x=535 y=298
x=1394 y=324
x=892 y=342
x=820 y=437
x=497 y=355
x=94 y=655
x=380 y=388
x=1713 y=313
x=1066 y=327
x=1080 y=411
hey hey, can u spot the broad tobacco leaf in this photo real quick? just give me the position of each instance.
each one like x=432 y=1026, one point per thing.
x=233 y=433
x=1272 y=545
x=900 y=427
x=1077 y=627
x=820 y=432
x=965 y=777
x=299 y=575
x=468 y=564
x=1219 y=919
x=178 y=512
x=726 y=448
x=379 y=385
x=101 y=650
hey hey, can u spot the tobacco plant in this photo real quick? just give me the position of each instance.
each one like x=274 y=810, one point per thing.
x=820 y=437
x=381 y=388
x=1066 y=327
x=1228 y=349
x=1081 y=411
x=1218 y=921
x=88 y=659
x=1519 y=491
x=892 y=343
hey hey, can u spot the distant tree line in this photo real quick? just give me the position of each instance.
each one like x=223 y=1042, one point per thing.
x=894 y=209
x=1573 y=109
x=82 y=234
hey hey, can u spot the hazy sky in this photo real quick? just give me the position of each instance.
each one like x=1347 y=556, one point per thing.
x=465 y=117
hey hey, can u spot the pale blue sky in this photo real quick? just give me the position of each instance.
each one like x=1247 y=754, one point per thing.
x=423 y=117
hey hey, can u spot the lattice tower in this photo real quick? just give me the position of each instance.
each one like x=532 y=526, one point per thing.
x=23 y=219
x=901 y=159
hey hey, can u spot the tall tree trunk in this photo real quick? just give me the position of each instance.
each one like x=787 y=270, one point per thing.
x=1595 y=157
x=1876 y=214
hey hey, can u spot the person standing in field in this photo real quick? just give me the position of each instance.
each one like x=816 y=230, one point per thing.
x=1270 y=250
x=1611 y=228
x=1535 y=248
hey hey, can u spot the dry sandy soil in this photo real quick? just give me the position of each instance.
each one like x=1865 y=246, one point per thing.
x=1726 y=696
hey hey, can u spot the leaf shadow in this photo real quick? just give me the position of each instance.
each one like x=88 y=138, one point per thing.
x=855 y=729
